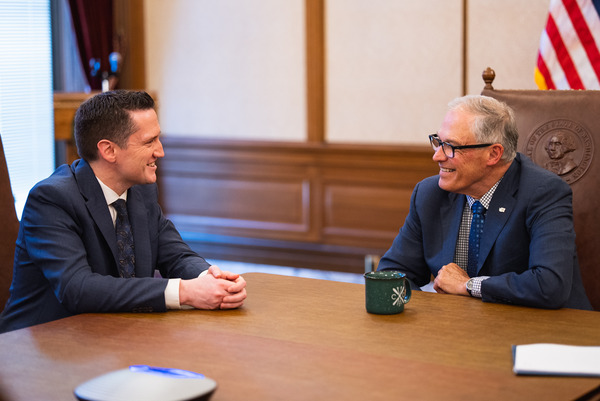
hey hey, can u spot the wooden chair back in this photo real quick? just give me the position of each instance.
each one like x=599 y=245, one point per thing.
x=9 y=231
x=560 y=131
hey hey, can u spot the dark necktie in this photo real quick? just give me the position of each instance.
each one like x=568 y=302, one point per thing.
x=474 y=237
x=125 y=254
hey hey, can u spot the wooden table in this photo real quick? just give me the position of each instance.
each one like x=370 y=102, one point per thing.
x=306 y=339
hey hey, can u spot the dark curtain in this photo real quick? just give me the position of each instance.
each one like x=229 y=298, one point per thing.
x=93 y=23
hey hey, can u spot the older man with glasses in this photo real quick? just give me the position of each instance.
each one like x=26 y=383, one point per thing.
x=492 y=224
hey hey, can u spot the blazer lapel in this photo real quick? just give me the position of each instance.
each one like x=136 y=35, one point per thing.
x=95 y=202
x=502 y=206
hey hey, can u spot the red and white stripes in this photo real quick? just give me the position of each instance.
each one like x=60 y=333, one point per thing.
x=569 y=56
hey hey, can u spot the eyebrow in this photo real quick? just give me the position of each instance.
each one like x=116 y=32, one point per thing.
x=451 y=141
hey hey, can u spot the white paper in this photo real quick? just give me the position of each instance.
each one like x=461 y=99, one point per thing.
x=556 y=359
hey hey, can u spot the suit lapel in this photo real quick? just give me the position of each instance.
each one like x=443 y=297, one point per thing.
x=501 y=207
x=95 y=202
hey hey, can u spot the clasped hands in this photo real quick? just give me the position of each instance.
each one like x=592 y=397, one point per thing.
x=216 y=289
x=451 y=279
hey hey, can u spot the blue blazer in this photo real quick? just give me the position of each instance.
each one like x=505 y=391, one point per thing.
x=66 y=257
x=528 y=243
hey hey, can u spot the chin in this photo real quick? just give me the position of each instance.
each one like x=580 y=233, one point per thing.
x=150 y=179
x=443 y=184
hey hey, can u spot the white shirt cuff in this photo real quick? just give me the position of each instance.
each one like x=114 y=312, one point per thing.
x=172 y=293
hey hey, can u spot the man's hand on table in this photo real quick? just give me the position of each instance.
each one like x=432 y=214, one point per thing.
x=217 y=289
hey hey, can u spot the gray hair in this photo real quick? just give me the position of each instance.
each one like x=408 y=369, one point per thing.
x=493 y=122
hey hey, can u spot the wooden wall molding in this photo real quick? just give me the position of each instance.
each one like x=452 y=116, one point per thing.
x=65 y=106
x=315 y=70
x=297 y=204
x=128 y=25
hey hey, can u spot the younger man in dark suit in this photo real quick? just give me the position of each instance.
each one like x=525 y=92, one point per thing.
x=69 y=257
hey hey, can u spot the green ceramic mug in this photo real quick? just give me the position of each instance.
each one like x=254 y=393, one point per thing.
x=386 y=292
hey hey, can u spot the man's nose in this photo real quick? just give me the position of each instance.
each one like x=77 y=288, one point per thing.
x=159 y=152
x=439 y=155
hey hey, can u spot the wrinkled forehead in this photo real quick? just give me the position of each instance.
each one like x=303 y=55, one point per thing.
x=456 y=127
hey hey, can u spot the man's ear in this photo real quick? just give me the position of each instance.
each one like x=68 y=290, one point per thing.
x=107 y=150
x=495 y=154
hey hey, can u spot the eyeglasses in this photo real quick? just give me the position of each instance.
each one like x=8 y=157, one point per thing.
x=448 y=149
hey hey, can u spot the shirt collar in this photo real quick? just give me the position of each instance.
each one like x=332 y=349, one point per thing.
x=486 y=199
x=109 y=194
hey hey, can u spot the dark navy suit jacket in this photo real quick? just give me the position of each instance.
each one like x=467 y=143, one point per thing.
x=66 y=258
x=528 y=243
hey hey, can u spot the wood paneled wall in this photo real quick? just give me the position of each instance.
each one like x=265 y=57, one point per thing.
x=309 y=205
x=128 y=25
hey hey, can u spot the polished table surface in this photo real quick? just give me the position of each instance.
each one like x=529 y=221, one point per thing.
x=306 y=339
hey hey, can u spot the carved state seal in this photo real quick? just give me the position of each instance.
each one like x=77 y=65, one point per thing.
x=562 y=146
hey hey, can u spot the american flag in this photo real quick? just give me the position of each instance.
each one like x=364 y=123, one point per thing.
x=568 y=57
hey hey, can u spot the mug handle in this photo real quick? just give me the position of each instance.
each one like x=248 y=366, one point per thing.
x=407 y=291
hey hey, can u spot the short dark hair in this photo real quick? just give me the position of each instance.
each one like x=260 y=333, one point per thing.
x=107 y=116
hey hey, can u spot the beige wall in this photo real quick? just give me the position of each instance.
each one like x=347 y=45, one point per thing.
x=236 y=68
x=228 y=68
x=504 y=35
x=392 y=66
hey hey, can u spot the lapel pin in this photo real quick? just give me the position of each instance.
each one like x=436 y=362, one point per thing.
x=502 y=210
